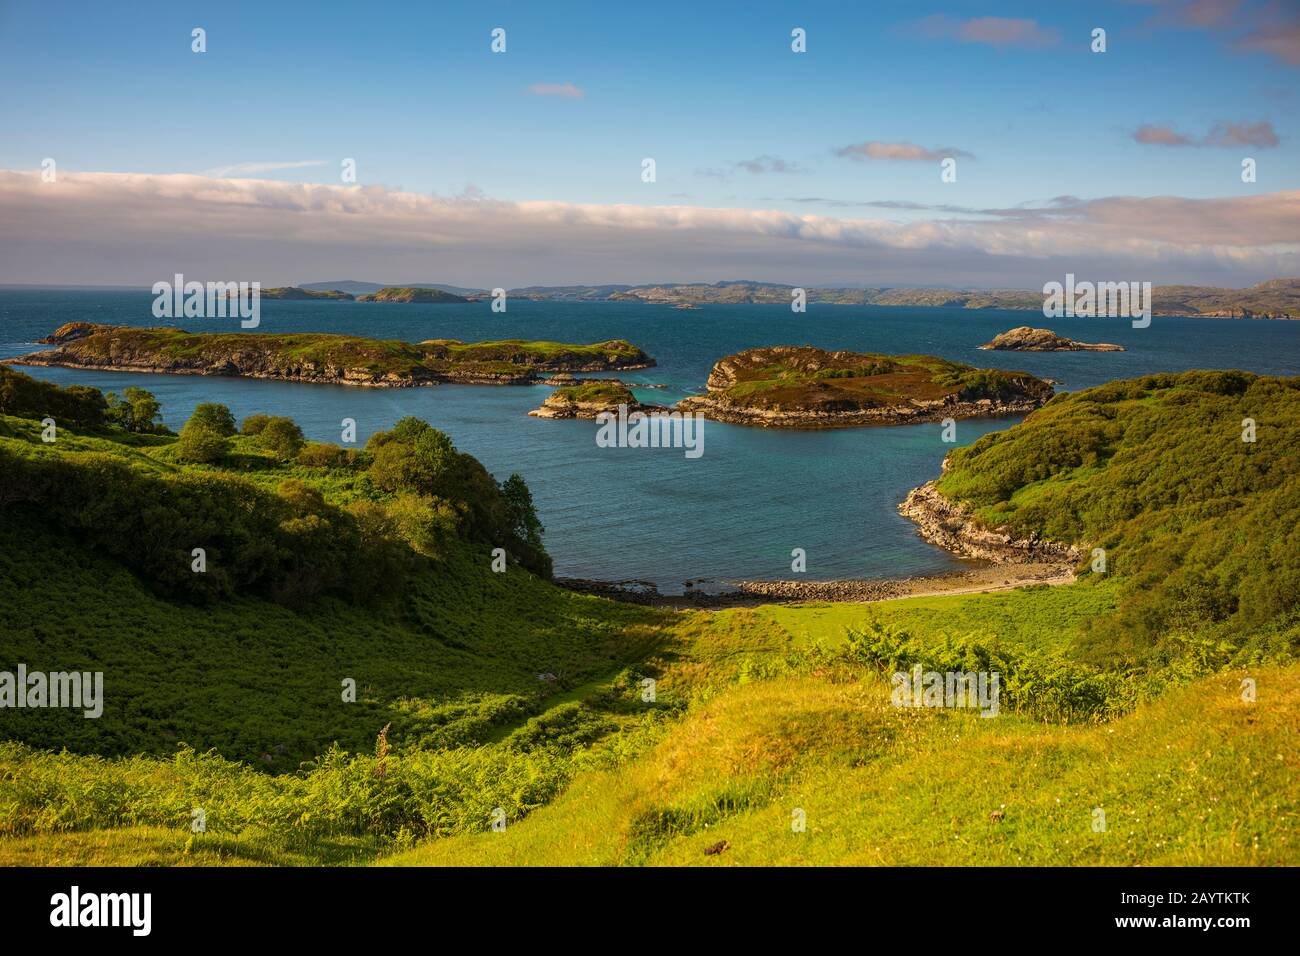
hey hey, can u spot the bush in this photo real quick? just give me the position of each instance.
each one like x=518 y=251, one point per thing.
x=25 y=397
x=325 y=455
x=288 y=546
x=201 y=444
x=282 y=436
x=254 y=424
x=428 y=524
x=215 y=417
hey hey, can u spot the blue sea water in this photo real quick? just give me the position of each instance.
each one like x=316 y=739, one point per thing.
x=652 y=514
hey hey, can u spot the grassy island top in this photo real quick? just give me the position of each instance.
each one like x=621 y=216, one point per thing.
x=312 y=355
x=794 y=377
x=592 y=393
x=411 y=294
x=294 y=292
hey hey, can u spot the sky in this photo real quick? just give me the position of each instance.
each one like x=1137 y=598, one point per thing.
x=525 y=166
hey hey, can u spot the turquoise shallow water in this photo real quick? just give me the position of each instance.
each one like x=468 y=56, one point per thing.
x=652 y=514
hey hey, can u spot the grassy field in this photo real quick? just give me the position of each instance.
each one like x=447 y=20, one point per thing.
x=590 y=732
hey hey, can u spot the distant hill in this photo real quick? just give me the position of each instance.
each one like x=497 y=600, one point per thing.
x=1274 y=299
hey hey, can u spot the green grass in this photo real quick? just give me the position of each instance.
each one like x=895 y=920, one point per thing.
x=499 y=690
x=807 y=378
x=1198 y=778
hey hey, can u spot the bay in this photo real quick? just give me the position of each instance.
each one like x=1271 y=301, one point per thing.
x=652 y=514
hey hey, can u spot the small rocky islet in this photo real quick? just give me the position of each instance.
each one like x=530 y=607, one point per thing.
x=589 y=399
x=789 y=386
x=1024 y=338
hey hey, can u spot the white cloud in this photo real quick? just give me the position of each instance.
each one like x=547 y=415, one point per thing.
x=557 y=89
x=133 y=228
x=252 y=169
x=907 y=152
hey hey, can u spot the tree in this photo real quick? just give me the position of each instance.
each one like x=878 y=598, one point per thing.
x=216 y=417
x=201 y=443
x=520 y=511
x=254 y=424
x=283 y=437
x=135 y=409
x=414 y=456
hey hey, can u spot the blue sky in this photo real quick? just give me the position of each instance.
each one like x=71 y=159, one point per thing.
x=419 y=100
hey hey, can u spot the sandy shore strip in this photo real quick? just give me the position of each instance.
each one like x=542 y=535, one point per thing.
x=979 y=578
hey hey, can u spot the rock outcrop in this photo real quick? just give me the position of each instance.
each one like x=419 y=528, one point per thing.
x=953 y=526
x=1027 y=339
x=590 y=399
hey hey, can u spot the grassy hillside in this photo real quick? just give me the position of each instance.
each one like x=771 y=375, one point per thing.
x=880 y=786
x=602 y=733
x=1202 y=527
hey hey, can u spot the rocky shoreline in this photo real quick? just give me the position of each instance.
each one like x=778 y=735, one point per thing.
x=982 y=577
x=914 y=413
x=953 y=527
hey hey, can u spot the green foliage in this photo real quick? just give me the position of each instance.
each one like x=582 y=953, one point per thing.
x=326 y=455
x=136 y=410
x=413 y=458
x=200 y=443
x=254 y=424
x=282 y=437
x=25 y=397
x=215 y=417
x=521 y=515
x=1203 y=527
x=1041 y=684
x=151 y=520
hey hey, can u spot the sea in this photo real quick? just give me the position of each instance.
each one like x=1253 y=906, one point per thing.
x=736 y=512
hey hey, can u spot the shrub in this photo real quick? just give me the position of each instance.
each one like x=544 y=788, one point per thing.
x=201 y=444
x=325 y=455
x=25 y=397
x=283 y=437
x=214 y=417
x=254 y=424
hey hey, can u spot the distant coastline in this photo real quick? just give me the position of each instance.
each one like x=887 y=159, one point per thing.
x=1274 y=299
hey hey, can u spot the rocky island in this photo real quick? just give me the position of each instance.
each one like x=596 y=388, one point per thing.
x=294 y=293
x=413 y=296
x=589 y=399
x=1027 y=339
x=324 y=358
x=804 y=387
